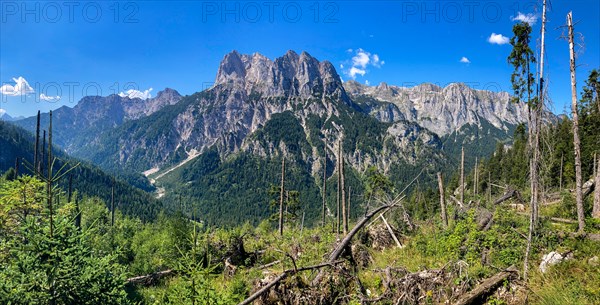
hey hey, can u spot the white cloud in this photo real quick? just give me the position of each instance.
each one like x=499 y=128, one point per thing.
x=529 y=18
x=360 y=62
x=498 y=39
x=21 y=87
x=361 y=59
x=2 y=112
x=355 y=70
x=465 y=60
x=131 y=93
x=367 y=82
x=44 y=97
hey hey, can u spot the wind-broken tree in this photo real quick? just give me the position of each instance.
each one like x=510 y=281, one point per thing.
x=596 y=208
x=281 y=190
x=442 y=199
x=576 y=141
x=462 y=175
x=523 y=83
x=324 y=185
x=343 y=190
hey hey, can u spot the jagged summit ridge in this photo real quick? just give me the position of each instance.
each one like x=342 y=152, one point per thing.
x=290 y=75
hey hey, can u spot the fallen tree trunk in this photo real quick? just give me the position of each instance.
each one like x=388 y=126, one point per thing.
x=554 y=219
x=590 y=236
x=335 y=254
x=282 y=276
x=149 y=279
x=340 y=248
x=391 y=231
x=510 y=193
x=458 y=203
x=477 y=295
x=265 y=266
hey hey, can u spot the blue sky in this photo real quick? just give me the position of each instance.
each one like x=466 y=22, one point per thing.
x=72 y=49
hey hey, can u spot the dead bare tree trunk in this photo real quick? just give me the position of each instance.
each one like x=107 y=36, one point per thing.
x=324 y=185
x=596 y=209
x=339 y=192
x=475 y=178
x=533 y=139
x=576 y=142
x=50 y=178
x=36 y=149
x=281 y=193
x=43 y=153
x=349 y=196
x=343 y=194
x=594 y=170
x=462 y=175
x=112 y=204
x=442 y=199
x=489 y=187
x=391 y=231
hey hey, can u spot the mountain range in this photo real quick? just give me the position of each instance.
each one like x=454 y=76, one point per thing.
x=219 y=150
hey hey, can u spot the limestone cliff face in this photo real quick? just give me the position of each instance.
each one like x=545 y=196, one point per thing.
x=440 y=110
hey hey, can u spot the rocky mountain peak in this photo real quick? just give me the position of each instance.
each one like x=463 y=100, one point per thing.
x=231 y=68
x=168 y=93
x=290 y=75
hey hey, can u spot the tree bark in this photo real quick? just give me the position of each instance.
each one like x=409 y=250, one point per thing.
x=36 y=149
x=281 y=193
x=50 y=178
x=462 y=175
x=476 y=295
x=576 y=142
x=343 y=194
x=475 y=178
x=442 y=199
x=534 y=140
x=389 y=228
x=324 y=186
x=43 y=153
x=596 y=209
x=112 y=204
x=348 y=209
x=339 y=194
